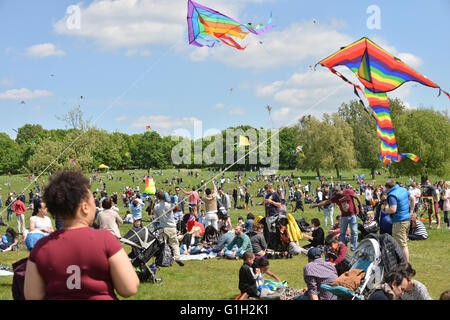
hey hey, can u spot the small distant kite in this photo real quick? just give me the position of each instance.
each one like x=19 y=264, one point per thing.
x=148 y=128
x=127 y=154
x=22 y=102
x=297 y=150
x=231 y=90
x=52 y=75
x=211 y=27
x=81 y=97
x=314 y=21
x=306 y=119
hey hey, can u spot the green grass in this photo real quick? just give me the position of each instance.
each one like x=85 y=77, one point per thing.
x=217 y=279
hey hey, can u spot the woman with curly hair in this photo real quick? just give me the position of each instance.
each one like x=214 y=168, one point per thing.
x=77 y=262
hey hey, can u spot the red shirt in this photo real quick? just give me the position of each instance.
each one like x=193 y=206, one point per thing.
x=74 y=263
x=345 y=202
x=19 y=207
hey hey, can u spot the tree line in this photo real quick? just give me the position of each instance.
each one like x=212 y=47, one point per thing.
x=343 y=140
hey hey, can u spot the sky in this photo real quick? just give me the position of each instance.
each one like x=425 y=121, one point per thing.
x=131 y=62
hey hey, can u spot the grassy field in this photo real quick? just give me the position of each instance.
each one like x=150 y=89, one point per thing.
x=217 y=279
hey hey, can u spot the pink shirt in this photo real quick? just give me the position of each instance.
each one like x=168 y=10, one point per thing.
x=193 y=196
x=74 y=263
x=19 y=207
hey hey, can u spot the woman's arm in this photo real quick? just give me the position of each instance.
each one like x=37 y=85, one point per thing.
x=34 y=284
x=124 y=278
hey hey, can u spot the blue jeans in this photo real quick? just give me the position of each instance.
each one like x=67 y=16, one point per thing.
x=351 y=221
x=9 y=214
x=328 y=213
x=227 y=253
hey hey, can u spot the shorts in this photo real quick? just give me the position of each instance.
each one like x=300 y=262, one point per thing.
x=400 y=232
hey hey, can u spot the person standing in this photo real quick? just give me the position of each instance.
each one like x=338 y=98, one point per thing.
x=430 y=191
x=327 y=209
x=19 y=208
x=109 y=219
x=163 y=215
x=272 y=202
x=446 y=204
x=210 y=200
x=193 y=201
x=345 y=201
x=298 y=200
x=400 y=205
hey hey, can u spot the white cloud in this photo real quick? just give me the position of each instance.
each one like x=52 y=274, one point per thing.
x=44 y=50
x=24 y=94
x=219 y=106
x=300 y=42
x=129 y=24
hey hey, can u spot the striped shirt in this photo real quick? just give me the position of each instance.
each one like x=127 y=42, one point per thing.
x=319 y=272
x=420 y=229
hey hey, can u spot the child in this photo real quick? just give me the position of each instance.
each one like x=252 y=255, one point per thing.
x=247 y=276
x=248 y=225
x=136 y=208
x=9 y=240
x=263 y=265
x=240 y=222
x=128 y=219
x=317 y=237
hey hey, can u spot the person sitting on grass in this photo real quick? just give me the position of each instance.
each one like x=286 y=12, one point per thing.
x=241 y=243
x=225 y=238
x=415 y=290
x=191 y=242
x=257 y=239
x=263 y=265
x=316 y=238
x=9 y=240
x=248 y=276
x=394 y=285
x=337 y=254
x=317 y=272
x=418 y=230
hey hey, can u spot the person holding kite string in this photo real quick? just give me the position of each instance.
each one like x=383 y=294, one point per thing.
x=345 y=200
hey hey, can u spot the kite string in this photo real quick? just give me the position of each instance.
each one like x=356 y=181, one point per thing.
x=257 y=146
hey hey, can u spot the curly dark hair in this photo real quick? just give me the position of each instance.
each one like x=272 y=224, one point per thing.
x=65 y=192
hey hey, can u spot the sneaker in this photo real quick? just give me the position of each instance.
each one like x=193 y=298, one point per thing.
x=180 y=263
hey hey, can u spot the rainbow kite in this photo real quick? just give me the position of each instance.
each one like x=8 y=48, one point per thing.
x=214 y=27
x=379 y=72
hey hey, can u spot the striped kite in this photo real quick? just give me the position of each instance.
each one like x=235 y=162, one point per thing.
x=379 y=72
x=213 y=27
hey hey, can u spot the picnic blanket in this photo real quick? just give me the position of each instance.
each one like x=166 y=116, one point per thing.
x=200 y=256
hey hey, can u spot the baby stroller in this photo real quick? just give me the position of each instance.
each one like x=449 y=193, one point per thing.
x=147 y=243
x=367 y=257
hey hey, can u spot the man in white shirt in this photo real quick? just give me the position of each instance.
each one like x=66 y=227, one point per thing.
x=416 y=193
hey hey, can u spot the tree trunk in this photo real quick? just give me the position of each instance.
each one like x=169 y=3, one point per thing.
x=372 y=172
x=337 y=171
x=318 y=172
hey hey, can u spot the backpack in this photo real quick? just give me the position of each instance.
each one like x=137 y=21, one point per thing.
x=164 y=258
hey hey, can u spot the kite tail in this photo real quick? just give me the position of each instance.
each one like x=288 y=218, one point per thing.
x=446 y=93
x=229 y=41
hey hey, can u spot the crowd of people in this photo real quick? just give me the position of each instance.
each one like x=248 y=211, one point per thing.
x=198 y=220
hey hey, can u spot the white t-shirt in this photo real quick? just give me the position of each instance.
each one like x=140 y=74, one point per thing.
x=368 y=194
x=415 y=193
x=45 y=222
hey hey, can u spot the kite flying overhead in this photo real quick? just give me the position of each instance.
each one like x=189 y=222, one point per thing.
x=213 y=27
x=306 y=119
x=379 y=72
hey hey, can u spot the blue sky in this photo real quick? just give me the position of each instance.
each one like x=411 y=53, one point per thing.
x=131 y=62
